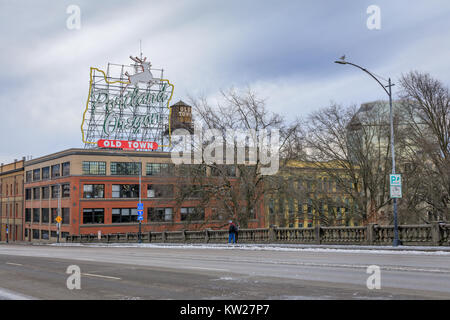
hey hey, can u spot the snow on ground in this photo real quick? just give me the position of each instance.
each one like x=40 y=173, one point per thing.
x=410 y=250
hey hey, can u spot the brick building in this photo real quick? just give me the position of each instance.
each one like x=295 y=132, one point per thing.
x=98 y=190
x=11 y=200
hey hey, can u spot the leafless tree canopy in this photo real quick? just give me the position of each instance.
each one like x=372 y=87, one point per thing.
x=351 y=145
x=427 y=103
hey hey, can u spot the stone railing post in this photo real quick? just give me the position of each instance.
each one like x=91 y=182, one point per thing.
x=273 y=234
x=370 y=233
x=206 y=236
x=317 y=234
x=436 y=233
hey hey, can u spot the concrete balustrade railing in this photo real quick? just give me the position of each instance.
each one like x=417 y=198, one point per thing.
x=434 y=234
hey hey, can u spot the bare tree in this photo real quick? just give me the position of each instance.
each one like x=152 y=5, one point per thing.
x=352 y=146
x=427 y=102
x=238 y=189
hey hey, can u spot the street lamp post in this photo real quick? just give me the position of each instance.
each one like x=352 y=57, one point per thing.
x=389 y=93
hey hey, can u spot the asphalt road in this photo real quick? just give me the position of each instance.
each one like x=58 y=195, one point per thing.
x=39 y=272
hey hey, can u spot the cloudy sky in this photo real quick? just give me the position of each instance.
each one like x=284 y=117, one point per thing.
x=284 y=50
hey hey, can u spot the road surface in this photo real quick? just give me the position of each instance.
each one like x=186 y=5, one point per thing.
x=177 y=272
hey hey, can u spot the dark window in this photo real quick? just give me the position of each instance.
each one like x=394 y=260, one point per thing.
x=94 y=168
x=44 y=234
x=192 y=213
x=36 y=193
x=64 y=234
x=36 y=216
x=125 y=191
x=159 y=169
x=56 y=171
x=36 y=174
x=27 y=215
x=191 y=191
x=29 y=175
x=65 y=216
x=45 y=215
x=194 y=170
x=65 y=169
x=28 y=194
x=35 y=234
x=65 y=190
x=45 y=192
x=53 y=234
x=299 y=207
x=93 y=191
x=93 y=216
x=55 y=192
x=45 y=173
x=121 y=215
x=223 y=171
x=54 y=214
x=160 y=190
x=160 y=214
x=26 y=232
x=271 y=207
x=125 y=168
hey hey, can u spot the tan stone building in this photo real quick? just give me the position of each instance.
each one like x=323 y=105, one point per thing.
x=11 y=201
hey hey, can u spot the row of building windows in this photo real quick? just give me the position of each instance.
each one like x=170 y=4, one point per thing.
x=46 y=192
x=308 y=206
x=8 y=210
x=54 y=171
x=126 y=215
x=98 y=191
x=132 y=191
x=325 y=185
x=10 y=189
x=44 y=234
x=153 y=169
x=46 y=215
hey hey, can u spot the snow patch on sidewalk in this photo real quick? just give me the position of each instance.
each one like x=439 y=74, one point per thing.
x=409 y=250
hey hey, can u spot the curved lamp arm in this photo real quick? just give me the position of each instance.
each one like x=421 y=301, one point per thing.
x=367 y=71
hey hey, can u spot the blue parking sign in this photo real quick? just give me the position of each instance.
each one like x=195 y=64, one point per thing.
x=140 y=206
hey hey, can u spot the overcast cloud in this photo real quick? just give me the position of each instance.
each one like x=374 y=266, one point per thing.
x=282 y=49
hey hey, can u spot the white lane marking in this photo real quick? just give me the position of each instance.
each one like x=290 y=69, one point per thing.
x=11 y=295
x=213 y=269
x=14 y=264
x=100 y=276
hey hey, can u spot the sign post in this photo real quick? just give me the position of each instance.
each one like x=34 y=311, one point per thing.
x=395 y=181
x=140 y=211
x=7 y=233
x=58 y=223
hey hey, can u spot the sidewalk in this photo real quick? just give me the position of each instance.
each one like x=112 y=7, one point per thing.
x=273 y=246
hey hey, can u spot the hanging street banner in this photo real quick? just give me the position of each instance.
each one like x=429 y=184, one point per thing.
x=128 y=107
x=395 y=185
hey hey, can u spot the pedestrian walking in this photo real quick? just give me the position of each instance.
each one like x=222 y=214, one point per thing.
x=231 y=232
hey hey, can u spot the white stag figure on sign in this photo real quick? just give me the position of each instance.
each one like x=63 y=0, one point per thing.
x=145 y=76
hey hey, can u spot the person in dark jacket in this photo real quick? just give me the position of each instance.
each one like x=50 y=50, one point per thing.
x=231 y=232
